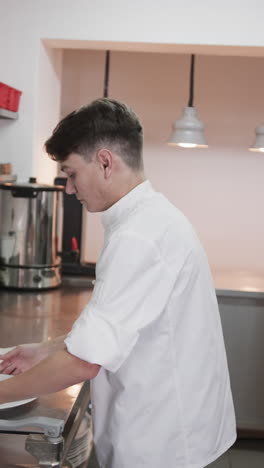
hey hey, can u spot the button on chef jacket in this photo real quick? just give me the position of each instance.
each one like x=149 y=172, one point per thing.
x=162 y=397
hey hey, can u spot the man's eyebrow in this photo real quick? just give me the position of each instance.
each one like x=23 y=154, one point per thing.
x=64 y=167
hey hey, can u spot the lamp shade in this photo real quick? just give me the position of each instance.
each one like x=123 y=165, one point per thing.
x=188 y=131
x=258 y=144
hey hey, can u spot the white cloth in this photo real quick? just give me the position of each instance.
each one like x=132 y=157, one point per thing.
x=162 y=397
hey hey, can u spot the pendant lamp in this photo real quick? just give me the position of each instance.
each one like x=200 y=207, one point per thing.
x=106 y=74
x=258 y=144
x=188 y=131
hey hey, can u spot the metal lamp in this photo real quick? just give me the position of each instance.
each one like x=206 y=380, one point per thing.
x=188 y=131
x=258 y=144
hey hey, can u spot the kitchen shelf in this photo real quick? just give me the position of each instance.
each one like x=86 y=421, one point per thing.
x=7 y=114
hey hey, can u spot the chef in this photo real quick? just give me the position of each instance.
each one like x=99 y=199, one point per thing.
x=150 y=339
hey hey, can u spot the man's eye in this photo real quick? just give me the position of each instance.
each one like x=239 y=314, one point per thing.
x=71 y=176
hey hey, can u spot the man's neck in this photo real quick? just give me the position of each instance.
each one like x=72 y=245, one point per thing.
x=125 y=186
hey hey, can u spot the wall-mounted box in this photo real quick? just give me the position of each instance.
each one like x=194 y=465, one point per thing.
x=9 y=97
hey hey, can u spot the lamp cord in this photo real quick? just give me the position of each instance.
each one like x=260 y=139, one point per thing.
x=190 y=103
x=106 y=76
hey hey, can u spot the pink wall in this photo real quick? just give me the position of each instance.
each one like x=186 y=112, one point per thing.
x=220 y=189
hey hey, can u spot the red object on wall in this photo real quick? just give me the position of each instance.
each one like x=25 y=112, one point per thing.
x=3 y=95
x=74 y=243
x=9 y=97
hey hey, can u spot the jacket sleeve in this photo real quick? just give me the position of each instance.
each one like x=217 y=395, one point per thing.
x=132 y=288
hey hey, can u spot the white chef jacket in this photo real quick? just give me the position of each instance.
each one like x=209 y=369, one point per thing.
x=162 y=397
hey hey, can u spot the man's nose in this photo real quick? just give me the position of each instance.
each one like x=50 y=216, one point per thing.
x=70 y=187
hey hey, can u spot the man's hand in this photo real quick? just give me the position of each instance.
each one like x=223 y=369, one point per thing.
x=24 y=357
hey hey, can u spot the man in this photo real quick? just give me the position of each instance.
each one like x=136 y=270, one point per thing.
x=150 y=338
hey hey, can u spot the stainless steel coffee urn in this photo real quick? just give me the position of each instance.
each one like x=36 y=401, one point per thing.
x=30 y=235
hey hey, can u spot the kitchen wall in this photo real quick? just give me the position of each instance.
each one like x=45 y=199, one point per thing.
x=28 y=27
x=221 y=188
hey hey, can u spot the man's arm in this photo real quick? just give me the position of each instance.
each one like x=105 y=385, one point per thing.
x=58 y=371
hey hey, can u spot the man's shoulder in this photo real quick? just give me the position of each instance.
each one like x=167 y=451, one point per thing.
x=156 y=221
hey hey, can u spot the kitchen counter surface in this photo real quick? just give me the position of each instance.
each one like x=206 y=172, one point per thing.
x=239 y=283
x=32 y=317
x=35 y=316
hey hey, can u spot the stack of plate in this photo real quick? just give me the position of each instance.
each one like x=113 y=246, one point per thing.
x=81 y=447
x=6 y=173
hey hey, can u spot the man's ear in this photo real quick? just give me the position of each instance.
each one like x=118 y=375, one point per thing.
x=105 y=160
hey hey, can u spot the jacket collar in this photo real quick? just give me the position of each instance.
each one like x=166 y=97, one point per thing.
x=123 y=207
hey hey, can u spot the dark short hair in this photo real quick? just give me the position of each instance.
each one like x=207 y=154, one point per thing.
x=103 y=122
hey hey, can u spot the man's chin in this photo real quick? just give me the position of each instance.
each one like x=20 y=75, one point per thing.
x=90 y=209
x=94 y=209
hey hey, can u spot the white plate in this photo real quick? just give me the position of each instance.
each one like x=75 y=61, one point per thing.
x=12 y=404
